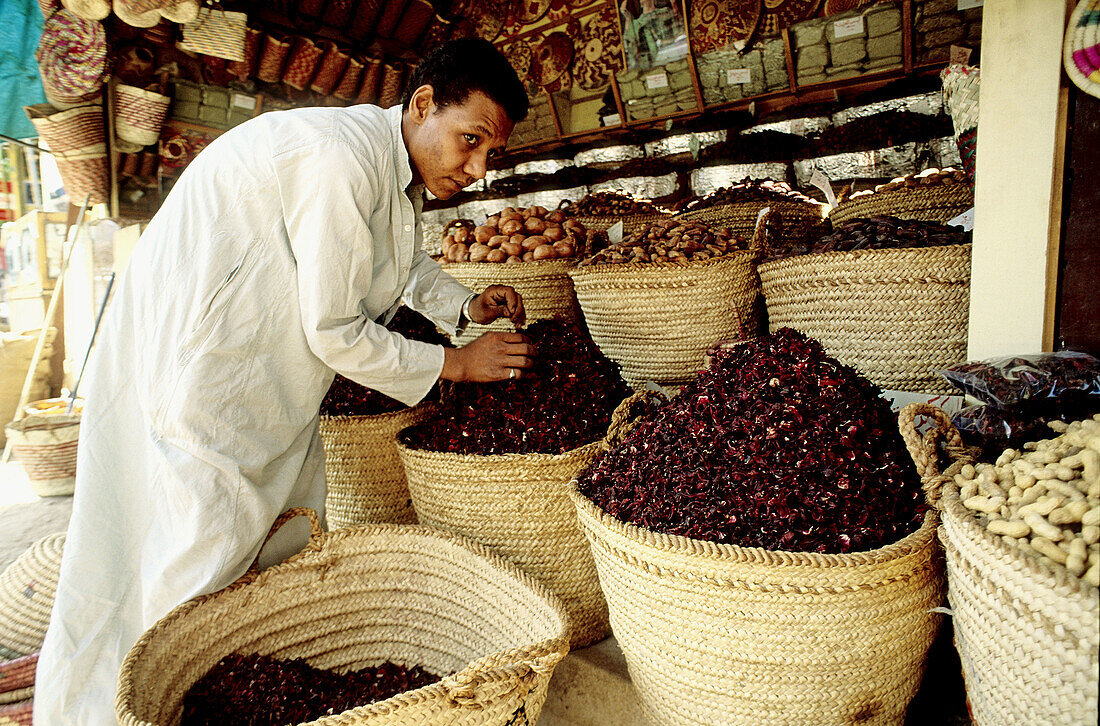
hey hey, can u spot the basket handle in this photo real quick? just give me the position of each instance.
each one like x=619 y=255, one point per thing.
x=316 y=534
x=925 y=450
x=623 y=418
x=524 y=666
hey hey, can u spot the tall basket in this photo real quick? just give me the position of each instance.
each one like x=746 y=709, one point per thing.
x=46 y=446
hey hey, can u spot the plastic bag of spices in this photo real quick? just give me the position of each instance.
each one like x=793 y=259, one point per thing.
x=1013 y=380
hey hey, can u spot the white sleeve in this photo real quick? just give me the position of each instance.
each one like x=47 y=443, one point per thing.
x=328 y=195
x=434 y=294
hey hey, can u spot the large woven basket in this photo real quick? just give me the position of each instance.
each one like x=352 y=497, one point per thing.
x=897 y=315
x=515 y=504
x=631 y=223
x=720 y=634
x=933 y=203
x=139 y=114
x=46 y=446
x=365 y=478
x=357 y=598
x=17 y=679
x=27 y=589
x=545 y=286
x=657 y=321
x=1026 y=629
x=800 y=221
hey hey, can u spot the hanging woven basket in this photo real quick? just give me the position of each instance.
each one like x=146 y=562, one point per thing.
x=139 y=114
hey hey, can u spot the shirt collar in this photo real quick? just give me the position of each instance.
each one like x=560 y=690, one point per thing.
x=400 y=153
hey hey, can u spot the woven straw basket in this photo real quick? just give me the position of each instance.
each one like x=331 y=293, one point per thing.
x=516 y=505
x=46 y=446
x=27 y=590
x=800 y=220
x=721 y=634
x=897 y=315
x=657 y=321
x=1026 y=629
x=631 y=223
x=17 y=679
x=545 y=286
x=16 y=714
x=357 y=598
x=933 y=203
x=139 y=114
x=366 y=482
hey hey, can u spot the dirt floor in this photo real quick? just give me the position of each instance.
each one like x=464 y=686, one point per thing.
x=24 y=516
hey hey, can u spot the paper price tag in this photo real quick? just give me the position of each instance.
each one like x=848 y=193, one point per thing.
x=656 y=80
x=693 y=146
x=612 y=120
x=248 y=103
x=970 y=4
x=964 y=220
x=848 y=27
x=761 y=213
x=819 y=180
x=615 y=233
x=737 y=76
x=798 y=126
x=961 y=55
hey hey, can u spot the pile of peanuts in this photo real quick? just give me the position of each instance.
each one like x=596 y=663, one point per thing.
x=517 y=235
x=1044 y=500
x=670 y=240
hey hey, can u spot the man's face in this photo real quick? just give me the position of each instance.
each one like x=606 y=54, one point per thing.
x=450 y=147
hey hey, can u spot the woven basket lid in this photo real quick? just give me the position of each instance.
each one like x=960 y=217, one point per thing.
x=1081 y=52
x=27 y=589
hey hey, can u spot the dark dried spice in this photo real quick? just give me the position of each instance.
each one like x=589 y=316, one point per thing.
x=1006 y=382
x=775 y=445
x=881 y=232
x=257 y=690
x=745 y=191
x=565 y=401
x=348 y=398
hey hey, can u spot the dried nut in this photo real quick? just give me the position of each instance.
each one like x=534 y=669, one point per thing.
x=544 y=252
x=1048 y=549
x=1042 y=527
x=512 y=249
x=1091 y=518
x=984 y=504
x=483 y=233
x=497 y=255
x=1009 y=528
x=479 y=252
x=497 y=240
x=1092 y=577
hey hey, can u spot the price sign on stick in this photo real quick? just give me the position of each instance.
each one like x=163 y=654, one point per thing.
x=819 y=180
x=615 y=233
x=964 y=220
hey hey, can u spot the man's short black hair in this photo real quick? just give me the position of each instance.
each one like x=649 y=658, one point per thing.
x=459 y=67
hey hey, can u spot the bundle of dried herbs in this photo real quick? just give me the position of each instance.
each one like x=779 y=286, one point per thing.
x=775 y=445
x=562 y=403
x=348 y=398
x=257 y=690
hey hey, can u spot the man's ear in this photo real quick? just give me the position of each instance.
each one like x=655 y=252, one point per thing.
x=421 y=103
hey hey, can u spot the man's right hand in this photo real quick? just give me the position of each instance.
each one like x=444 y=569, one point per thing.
x=495 y=356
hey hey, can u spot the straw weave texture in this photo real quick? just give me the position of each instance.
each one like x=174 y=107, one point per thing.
x=719 y=634
x=365 y=478
x=16 y=714
x=631 y=223
x=46 y=446
x=545 y=286
x=17 y=678
x=139 y=114
x=800 y=220
x=515 y=504
x=897 y=315
x=357 y=598
x=932 y=203
x=27 y=589
x=1026 y=629
x=657 y=321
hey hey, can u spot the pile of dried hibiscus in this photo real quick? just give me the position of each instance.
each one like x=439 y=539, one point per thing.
x=562 y=403
x=775 y=445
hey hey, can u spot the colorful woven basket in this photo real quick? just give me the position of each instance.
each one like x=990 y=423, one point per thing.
x=27 y=589
x=331 y=69
x=139 y=114
x=348 y=87
x=72 y=59
x=273 y=57
x=1081 y=51
x=393 y=80
x=372 y=80
x=245 y=68
x=217 y=33
x=17 y=679
x=360 y=597
x=302 y=63
x=72 y=130
x=366 y=482
x=961 y=90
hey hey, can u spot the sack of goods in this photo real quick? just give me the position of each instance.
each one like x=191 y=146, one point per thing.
x=764 y=546
x=493 y=464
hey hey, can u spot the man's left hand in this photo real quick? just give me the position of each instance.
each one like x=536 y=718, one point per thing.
x=498 y=301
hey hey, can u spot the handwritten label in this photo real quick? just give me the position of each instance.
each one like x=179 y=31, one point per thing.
x=656 y=80
x=970 y=4
x=819 y=180
x=248 y=103
x=615 y=233
x=961 y=55
x=964 y=220
x=612 y=120
x=848 y=27
x=737 y=76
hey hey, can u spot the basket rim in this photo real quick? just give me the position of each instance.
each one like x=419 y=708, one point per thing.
x=315 y=554
x=493 y=458
x=845 y=255
x=566 y=262
x=350 y=417
x=731 y=553
x=1048 y=574
x=757 y=205
x=689 y=266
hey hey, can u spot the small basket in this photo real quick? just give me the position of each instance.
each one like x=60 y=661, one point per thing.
x=27 y=589
x=393 y=80
x=897 y=315
x=17 y=714
x=515 y=504
x=1025 y=629
x=657 y=321
x=72 y=59
x=720 y=634
x=348 y=87
x=139 y=114
x=302 y=63
x=800 y=221
x=372 y=80
x=272 y=58
x=366 y=482
x=545 y=286
x=333 y=64
x=357 y=598
x=46 y=446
